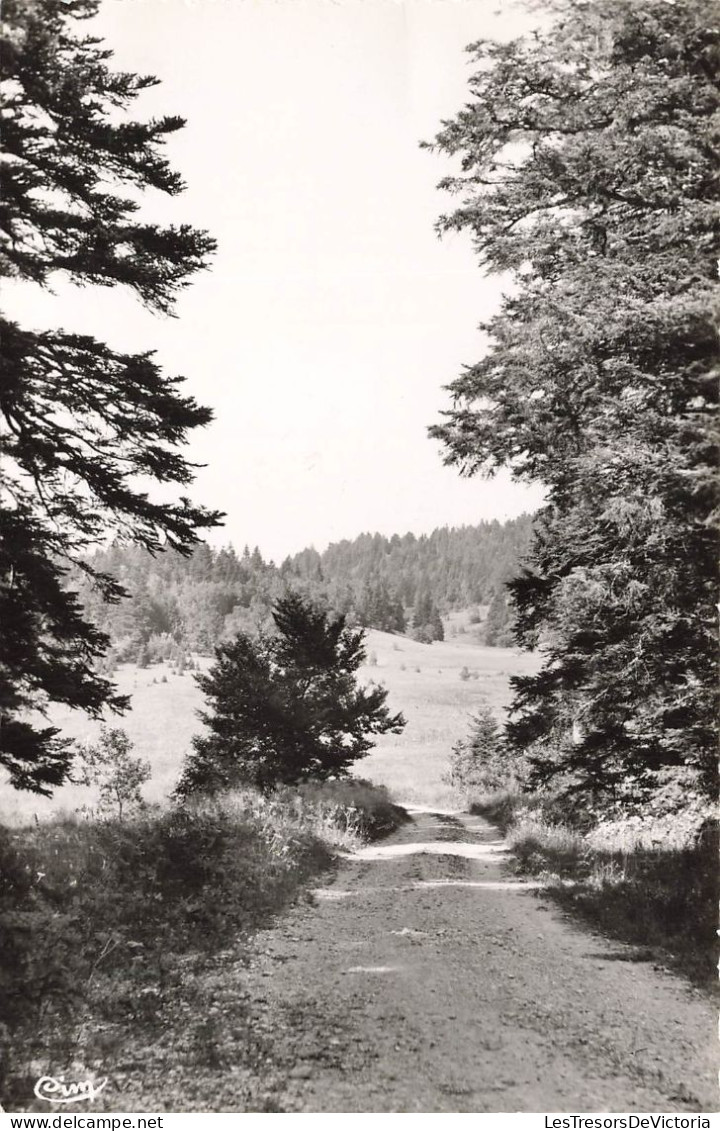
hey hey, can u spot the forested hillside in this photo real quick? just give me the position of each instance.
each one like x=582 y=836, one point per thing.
x=177 y=605
x=456 y=567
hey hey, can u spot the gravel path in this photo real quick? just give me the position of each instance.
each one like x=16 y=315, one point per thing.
x=424 y=978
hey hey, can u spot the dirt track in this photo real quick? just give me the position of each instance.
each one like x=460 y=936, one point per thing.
x=426 y=979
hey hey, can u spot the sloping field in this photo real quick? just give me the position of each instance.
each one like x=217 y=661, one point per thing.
x=424 y=683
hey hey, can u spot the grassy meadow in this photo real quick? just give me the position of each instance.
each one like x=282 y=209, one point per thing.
x=423 y=680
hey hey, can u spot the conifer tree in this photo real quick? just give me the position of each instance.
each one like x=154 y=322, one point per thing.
x=588 y=171
x=79 y=421
x=497 y=630
x=286 y=707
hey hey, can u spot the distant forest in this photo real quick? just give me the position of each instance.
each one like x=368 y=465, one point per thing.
x=405 y=584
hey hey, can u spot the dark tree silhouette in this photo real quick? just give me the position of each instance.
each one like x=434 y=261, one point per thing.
x=588 y=170
x=287 y=707
x=79 y=422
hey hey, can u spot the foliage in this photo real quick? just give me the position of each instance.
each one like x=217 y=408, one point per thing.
x=358 y=806
x=118 y=777
x=106 y=925
x=427 y=623
x=588 y=173
x=79 y=421
x=286 y=707
x=498 y=627
x=377 y=607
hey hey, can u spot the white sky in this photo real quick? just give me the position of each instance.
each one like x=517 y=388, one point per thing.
x=332 y=315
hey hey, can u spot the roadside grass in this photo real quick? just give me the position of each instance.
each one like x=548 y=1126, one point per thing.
x=345 y=813
x=114 y=932
x=661 y=898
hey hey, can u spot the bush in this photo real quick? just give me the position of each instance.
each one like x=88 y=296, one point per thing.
x=502 y=806
x=358 y=806
x=118 y=777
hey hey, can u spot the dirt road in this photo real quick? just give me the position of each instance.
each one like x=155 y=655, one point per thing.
x=426 y=979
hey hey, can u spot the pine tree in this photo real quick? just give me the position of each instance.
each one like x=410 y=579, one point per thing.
x=497 y=630
x=377 y=608
x=79 y=422
x=479 y=763
x=427 y=622
x=422 y=612
x=286 y=707
x=589 y=172
x=436 y=624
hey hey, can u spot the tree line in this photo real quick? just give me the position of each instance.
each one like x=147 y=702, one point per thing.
x=176 y=604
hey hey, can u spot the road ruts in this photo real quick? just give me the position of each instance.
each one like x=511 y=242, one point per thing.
x=424 y=978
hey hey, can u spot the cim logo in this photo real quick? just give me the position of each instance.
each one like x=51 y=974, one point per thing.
x=56 y=1091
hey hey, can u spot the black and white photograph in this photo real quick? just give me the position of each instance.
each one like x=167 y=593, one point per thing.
x=359 y=553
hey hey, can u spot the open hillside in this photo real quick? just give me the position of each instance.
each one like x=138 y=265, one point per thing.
x=437 y=687
x=424 y=682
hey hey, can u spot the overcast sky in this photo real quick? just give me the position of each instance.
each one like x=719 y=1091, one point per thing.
x=332 y=315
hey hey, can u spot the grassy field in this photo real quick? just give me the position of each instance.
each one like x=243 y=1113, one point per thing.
x=424 y=683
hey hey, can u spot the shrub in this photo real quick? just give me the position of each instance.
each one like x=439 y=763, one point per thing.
x=356 y=805
x=107 y=915
x=501 y=806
